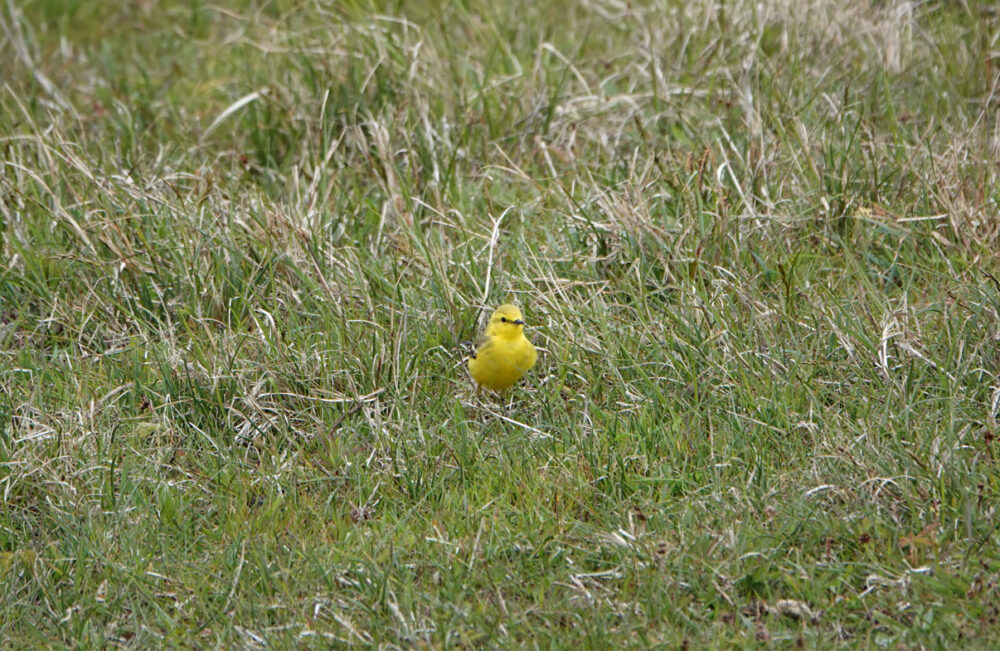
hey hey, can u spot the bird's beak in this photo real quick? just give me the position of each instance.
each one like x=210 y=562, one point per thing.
x=519 y=322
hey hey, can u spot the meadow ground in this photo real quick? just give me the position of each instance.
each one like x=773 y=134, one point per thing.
x=243 y=244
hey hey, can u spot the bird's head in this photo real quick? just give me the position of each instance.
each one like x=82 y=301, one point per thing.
x=506 y=322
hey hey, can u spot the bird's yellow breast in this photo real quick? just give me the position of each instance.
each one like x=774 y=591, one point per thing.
x=500 y=361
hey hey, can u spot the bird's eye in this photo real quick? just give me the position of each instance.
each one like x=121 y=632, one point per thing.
x=504 y=319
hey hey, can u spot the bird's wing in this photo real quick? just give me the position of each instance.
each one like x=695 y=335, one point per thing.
x=481 y=344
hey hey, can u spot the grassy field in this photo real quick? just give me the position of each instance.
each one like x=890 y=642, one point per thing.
x=244 y=246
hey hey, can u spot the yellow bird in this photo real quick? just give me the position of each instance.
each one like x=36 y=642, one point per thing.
x=503 y=353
